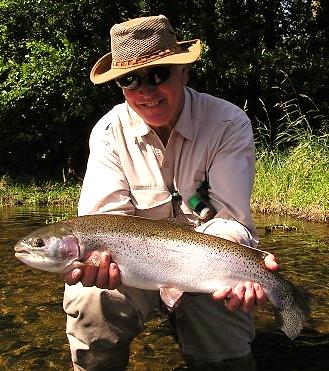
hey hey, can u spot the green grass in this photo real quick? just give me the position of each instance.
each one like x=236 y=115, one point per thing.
x=32 y=193
x=294 y=182
x=293 y=179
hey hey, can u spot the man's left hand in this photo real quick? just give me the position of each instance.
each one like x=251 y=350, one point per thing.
x=246 y=295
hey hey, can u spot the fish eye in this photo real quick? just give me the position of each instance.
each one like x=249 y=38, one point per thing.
x=38 y=242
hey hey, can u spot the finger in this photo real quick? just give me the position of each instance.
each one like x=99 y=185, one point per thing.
x=261 y=297
x=236 y=298
x=73 y=277
x=91 y=270
x=102 y=278
x=222 y=293
x=114 y=274
x=248 y=303
x=271 y=262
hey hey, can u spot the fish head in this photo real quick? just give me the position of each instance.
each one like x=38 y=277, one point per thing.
x=53 y=248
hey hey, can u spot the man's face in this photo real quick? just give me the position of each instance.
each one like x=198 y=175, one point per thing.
x=159 y=105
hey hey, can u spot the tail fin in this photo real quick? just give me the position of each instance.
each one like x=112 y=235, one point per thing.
x=293 y=316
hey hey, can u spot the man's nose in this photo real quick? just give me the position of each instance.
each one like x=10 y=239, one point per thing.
x=145 y=87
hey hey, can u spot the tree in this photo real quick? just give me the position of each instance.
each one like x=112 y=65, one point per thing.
x=255 y=53
x=47 y=102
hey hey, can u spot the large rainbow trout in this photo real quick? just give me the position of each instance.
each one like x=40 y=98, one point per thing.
x=162 y=255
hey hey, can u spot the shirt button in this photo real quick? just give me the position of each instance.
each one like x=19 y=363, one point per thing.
x=166 y=164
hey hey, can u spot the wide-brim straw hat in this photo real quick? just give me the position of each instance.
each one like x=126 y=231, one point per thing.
x=143 y=42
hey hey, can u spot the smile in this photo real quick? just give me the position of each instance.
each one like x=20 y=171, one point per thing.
x=151 y=104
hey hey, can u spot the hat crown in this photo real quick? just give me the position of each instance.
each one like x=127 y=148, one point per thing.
x=142 y=37
x=143 y=42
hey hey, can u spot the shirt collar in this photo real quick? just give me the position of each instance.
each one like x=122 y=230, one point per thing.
x=137 y=126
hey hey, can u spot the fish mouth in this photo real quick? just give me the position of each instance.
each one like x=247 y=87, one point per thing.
x=19 y=249
x=22 y=251
x=20 y=254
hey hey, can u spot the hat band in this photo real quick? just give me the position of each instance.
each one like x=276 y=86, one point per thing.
x=145 y=59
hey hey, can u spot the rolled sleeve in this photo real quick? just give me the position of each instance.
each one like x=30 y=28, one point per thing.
x=231 y=175
x=228 y=229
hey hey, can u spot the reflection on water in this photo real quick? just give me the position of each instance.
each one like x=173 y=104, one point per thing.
x=32 y=322
x=304 y=259
x=32 y=335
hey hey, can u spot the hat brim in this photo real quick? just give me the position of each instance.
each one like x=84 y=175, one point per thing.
x=103 y=70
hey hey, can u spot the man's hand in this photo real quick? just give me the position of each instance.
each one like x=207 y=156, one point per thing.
x=245 y=296
x=103 y=273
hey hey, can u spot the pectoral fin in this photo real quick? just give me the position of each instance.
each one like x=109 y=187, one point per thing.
x=171 y=297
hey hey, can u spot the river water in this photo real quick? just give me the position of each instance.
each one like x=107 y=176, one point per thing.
x=32 y=322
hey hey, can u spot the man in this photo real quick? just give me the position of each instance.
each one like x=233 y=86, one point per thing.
x=150 y=156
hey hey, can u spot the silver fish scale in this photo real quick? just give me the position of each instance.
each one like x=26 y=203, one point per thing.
x=155 y=254
x=151 y=252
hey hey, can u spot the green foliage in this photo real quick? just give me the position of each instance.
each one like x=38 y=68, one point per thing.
x=48 y=104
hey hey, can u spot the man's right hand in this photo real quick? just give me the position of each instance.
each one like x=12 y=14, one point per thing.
x=105 y=275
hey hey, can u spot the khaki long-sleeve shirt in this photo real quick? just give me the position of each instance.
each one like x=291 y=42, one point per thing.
x=130 y=171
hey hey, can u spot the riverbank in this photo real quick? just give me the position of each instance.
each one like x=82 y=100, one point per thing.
x=50 y=193
x=294 y=183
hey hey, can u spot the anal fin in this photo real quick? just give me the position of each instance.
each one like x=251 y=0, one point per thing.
x=171 y=297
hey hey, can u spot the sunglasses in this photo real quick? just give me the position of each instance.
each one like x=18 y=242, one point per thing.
x=155 y=76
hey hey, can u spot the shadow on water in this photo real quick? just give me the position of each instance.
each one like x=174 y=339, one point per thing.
x=32 y=322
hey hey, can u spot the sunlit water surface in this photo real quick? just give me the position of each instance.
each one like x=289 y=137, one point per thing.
x=32 y=322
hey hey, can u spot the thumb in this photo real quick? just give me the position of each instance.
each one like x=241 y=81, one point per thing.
x=72 y=277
